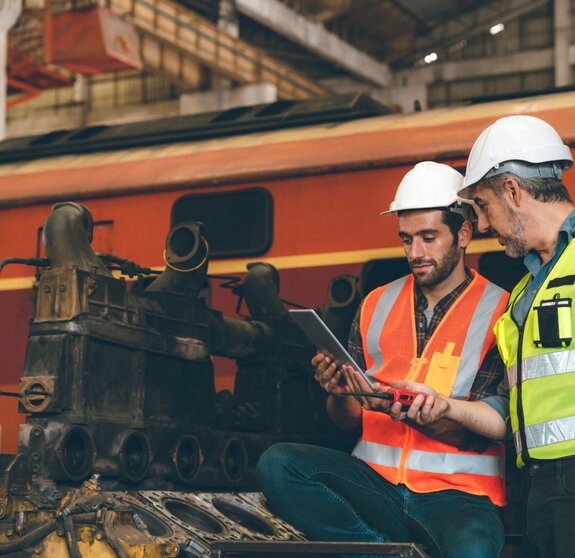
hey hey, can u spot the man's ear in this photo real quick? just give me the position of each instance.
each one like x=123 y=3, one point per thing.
x=513 y=192
x=465 y=234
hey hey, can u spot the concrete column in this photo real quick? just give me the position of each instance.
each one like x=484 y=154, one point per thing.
x=9 y=12
x=228 y=18
x=228 y=22
x=562 y=39
x=81 y=97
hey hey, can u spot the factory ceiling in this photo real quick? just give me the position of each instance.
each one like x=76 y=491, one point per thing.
x=398 y=33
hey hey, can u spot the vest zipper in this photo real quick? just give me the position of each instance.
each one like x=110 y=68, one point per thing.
x=520 y=414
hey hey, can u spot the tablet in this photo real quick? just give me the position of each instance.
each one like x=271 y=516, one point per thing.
x=322 y=337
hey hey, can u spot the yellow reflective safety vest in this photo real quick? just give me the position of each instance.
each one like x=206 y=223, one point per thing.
x=449 y=364
x=540 y=362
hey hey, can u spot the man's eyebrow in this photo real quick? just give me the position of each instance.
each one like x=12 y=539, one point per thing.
x=420 y=232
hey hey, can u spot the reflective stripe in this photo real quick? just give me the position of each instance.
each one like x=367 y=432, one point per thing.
x=476 y=334
x=431 y=462
x=517 y=441
x=380 y=314
x=548 y=364
x=551 y=432
x=512 y=376
x=388 y=456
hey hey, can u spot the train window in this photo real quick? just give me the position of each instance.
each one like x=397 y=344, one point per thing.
x=380 y=272
x=501 y=269
x=237 y=223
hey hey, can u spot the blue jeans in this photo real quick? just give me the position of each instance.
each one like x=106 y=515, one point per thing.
x=332 y=496
x=551 y=508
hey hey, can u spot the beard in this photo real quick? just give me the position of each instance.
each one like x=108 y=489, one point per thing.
x=515 y=244
x=441 y=269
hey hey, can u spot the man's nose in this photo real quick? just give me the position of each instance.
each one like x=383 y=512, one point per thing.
x=483 y=224
x=417 y=249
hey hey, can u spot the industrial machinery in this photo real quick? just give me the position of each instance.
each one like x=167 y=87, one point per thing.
x=127 y=449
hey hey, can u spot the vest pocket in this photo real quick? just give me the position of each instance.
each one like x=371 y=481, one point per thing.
x=552 y=326
x=442 y=370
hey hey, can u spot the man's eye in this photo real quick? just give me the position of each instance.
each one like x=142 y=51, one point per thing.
x=406 y=241
x=428 y=238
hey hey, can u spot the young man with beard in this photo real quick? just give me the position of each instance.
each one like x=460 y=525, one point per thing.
x=438 y=485
x=514 y=175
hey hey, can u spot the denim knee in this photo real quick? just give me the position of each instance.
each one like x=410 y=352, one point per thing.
x=272 y=467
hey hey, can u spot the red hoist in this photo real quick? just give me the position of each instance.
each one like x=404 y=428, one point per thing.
x=53 y=40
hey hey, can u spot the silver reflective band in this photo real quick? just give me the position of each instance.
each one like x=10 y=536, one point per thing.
x=550 y=432
x=529 y=170
x=431 y=462
x=380 y=314
x=474 y=340
x=389 y=456
x=517 y=441
x=512 y=376
x=548 y=364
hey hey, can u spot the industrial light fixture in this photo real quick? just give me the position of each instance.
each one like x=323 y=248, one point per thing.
x=431 y=57
x=497 y=28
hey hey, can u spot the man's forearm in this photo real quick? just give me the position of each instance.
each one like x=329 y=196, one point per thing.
x=345 y=412
x=478 y=417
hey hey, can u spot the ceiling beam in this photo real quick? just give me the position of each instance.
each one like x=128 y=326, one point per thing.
x=471 y=24
x=490 y=66
x=315 y=38
x=500 y=65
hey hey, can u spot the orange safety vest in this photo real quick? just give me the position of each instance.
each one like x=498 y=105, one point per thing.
x=448 y=364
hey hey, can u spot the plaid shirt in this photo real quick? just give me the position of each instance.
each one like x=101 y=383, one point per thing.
x=491 y=370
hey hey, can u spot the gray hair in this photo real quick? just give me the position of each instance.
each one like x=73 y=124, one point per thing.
x=541 y=189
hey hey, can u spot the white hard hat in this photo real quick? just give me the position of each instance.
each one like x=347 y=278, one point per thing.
x=529 y=146
x=426 y=186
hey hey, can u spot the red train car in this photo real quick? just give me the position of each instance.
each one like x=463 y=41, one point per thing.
x=303 y=197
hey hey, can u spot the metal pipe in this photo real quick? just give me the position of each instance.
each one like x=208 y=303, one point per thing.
x=67 y=236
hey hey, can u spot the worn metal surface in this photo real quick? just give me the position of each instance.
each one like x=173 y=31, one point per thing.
x=119 y=388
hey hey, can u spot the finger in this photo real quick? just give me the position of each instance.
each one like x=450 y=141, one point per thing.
x=324 y=364
x=426 y=409
x=415 y=407
x=395 y=411
x=350 y=375
x=325 y=370
x=413 y=386
x=317 y=359
x=334 y=380
x=329 y=383
x=325 y=377
x=361 y=382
